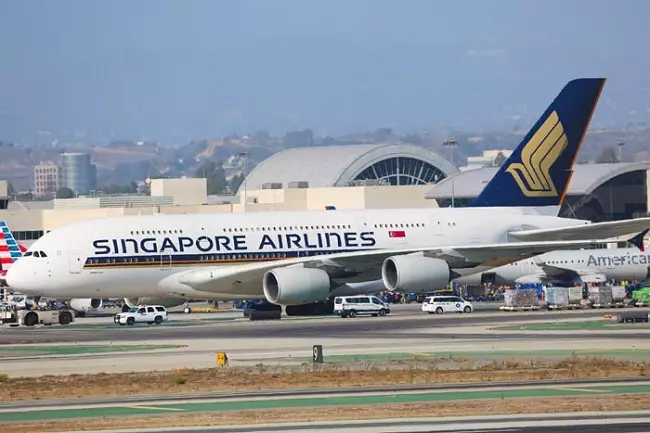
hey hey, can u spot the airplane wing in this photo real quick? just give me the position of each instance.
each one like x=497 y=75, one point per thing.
x=603 y=230
x=246 y=280
x=560 y=273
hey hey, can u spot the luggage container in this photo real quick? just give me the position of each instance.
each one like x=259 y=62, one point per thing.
x=600 y=296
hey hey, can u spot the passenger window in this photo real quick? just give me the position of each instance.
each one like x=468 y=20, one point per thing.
x=161 y=309
x=142 y=311
x=150 y=310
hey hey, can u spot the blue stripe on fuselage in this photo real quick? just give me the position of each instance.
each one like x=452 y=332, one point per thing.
x=200 y=259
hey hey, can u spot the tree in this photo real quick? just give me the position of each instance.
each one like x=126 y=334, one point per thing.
x=65 y=192
x=236 y=182
x=215 y=175
x=499 y=159
x=607 y=155
x=412 y=139
x=299 y=138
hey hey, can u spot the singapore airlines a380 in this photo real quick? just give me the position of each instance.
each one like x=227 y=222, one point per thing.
x=296 y=258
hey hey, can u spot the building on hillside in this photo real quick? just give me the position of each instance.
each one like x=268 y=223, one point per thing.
x=47 y=178
x=77 y=172
x=489 y=158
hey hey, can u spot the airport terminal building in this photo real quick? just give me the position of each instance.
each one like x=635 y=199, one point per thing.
x=597 y=192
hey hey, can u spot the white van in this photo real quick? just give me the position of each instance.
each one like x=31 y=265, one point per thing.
x=446 y=304
x=350 y=306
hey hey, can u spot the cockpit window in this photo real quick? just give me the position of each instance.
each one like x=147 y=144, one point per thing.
x=37 y=254
x=28 y=253
x=43 y=254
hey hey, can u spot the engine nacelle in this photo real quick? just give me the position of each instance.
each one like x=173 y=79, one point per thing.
x=165 y=302
x=83 y=305
x=295 y=286
x=415 y=274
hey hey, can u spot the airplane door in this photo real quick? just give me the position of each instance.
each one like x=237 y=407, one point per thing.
x=361 y=223
x=437 y=225
x=165 y=261
x=74 y=263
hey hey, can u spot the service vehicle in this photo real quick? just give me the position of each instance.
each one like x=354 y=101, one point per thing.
x=150 y=314
x=446 y=304
x=351 y=306
x=14 y=316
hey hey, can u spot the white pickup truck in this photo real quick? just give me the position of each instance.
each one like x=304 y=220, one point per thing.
x=149 y=314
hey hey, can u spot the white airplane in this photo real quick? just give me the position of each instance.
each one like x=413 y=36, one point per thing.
x=586 y=266
x=297 y=258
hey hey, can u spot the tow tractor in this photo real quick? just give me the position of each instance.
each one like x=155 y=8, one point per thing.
x=15 y=316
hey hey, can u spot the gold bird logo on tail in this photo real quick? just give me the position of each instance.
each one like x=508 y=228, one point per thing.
x=538 y=156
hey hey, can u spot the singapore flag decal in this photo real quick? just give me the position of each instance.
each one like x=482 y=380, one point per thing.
x=397 y=234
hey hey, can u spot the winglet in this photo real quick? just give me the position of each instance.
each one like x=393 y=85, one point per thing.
x=637 y=240
x=539 y=170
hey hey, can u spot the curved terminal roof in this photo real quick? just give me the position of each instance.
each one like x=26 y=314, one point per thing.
x=586 y=178
x=327 y=166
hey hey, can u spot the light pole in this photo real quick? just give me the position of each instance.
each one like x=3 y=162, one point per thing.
x=451 y=145
x=244 y=156
x=621 y=143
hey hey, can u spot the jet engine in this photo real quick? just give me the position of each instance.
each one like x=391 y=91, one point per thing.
x=295 y=286
x=82 y=305
x=415 y=274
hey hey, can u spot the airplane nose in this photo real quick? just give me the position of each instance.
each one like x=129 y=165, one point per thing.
x=16 y=279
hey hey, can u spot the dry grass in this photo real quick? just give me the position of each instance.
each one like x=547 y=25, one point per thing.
x=264 y=377
x=475 y=407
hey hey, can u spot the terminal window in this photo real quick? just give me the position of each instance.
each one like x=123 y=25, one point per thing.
x=28 y=235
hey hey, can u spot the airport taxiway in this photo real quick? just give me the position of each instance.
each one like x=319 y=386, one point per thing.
x=194 y=342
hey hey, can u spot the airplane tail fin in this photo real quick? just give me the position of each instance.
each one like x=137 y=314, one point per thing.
x=538 y=172
x=10 y=250
x=637 y=240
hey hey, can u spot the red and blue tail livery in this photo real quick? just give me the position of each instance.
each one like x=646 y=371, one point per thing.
x=538 y=172
x=10 y=250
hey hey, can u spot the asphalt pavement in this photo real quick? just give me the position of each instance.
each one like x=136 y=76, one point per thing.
x=398 y=325
x=601 y=422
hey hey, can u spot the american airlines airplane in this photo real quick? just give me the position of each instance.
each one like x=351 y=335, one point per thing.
x=586 y=266
x=298 y=258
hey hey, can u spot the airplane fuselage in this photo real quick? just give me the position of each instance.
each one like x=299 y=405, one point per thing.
x=129 y=256
x=612 y=264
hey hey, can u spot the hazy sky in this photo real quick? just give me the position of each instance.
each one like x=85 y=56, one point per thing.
x=198 y=68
